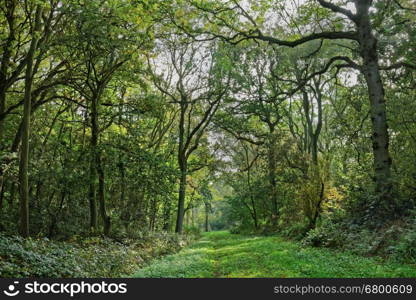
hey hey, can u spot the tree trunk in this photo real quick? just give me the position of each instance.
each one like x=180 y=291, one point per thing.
x=153 y=214
x=317 y=131
x=272 y=176
x=93 y=161
x=317 y=211
x=207 y=209
x=166 y=216
x=96 y=168
x=101 y=195
x=12 y=194
x=24 y=153
x=380 y=136
x=182 y=161
x=2 y=110
x=308 y=125
x=250 y=190
x=181 y=198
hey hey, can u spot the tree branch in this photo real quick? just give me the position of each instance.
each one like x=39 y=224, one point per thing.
x=334 y=35
x=337 y=9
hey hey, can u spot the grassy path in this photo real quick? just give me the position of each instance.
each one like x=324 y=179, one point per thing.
x=221 y=254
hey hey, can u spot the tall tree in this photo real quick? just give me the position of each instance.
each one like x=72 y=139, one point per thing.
x=245 y=24
x=196 y=81
x=24 y=152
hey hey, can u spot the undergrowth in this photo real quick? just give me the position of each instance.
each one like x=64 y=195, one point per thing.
x=83 y=256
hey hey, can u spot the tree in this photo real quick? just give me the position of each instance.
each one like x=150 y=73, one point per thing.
x=101 y=58
x=196 y=81
x=24 y=153
x=244 y=26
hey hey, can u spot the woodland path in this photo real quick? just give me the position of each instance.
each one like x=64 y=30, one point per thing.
x=221 y=254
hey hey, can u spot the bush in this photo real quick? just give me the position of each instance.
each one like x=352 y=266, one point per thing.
x=235 y=230
x=405 y=249
x=295 y=231
x=244 y=230
x=396 y=239
x=192 y=230
x=329 y=234
x=83 y=257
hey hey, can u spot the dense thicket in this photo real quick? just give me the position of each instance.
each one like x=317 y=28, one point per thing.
x=277 y=116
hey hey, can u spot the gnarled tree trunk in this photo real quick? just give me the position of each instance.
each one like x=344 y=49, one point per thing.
x=380 y=135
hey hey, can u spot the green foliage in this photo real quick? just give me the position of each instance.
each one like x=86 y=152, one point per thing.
x=325 y=235
x=295 y=230
x=83 y=257
x=192 y=230
x=405 y=247
x=394 y=239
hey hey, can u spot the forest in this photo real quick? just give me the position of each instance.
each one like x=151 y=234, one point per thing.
x=129 y=128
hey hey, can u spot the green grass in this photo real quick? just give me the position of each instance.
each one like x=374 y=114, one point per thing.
x=221 y=254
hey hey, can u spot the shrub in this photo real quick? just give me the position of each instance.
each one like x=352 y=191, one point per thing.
x=328 y=234
x=396 y=239
x=405 y=249
x=83 y=257
x=295 y=231
x=192 y=230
